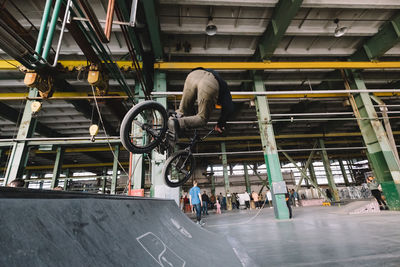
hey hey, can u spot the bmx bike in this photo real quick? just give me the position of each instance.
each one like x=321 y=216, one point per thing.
x=144 y=128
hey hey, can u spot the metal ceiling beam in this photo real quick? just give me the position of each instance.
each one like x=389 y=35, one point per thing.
x=359 y=4
x=13 y=115
x=153 y=25
x=85 y=108
x=6 y=16
x=380 y=43
x=283 y=13
x=256 y=30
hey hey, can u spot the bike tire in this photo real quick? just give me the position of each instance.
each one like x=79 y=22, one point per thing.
x=181 y=156
x=126 y=126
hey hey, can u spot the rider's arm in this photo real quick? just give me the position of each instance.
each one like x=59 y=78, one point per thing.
x=225 y=100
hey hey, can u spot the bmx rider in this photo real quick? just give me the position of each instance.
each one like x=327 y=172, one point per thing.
x=207 y=86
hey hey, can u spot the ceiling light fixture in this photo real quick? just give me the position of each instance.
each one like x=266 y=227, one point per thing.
x=211 y=28
x=339 y=31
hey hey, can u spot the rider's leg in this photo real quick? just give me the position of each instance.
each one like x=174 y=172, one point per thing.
x=186 y=106
x=207 y=95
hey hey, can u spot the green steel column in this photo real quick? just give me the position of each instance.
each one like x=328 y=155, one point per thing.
x=20 y=151
x=328 y=171
x=312 y=173
x=52 y=27
x=57 y=167
x=350 y=167
x=226 y=176
x=43 y=26
x=104 y=185
x=27 y=177
x=270 y=151
x=385 y=165
x=67 y=173
x=212 y=181
x=246 y=178
x=158 y=160
x=115 y=170
x=346 y=180
x=371 y=165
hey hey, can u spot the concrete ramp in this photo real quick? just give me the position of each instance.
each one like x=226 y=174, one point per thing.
x=360 y=207
x=50 y=228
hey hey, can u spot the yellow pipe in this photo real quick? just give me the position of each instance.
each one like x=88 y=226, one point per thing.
x=105 y=149
x=121 y=95
x=277 y=65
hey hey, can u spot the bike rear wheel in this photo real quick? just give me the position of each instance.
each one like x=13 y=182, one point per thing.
x=178 y=168
x=143 y=127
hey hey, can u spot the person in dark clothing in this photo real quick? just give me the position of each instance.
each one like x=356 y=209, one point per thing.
x=206 y=200
x=288 y=204
x=329 y=194
x=373 y=185
x=207 y=86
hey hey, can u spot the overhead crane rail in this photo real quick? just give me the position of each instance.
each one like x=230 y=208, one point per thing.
x=277 y=65
x=127 y=65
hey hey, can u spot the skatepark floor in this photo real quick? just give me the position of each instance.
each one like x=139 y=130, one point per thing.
x=316 y=236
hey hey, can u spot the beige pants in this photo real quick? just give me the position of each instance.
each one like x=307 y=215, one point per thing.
x=203 y=86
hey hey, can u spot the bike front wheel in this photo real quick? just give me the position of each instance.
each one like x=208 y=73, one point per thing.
x=143 y=127
x=178 y=168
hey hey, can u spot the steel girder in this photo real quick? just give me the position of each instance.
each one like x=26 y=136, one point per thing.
x=381 y=42
x=328 y=171
x=57 y=167
x=153 y=25
x=12 y=115
x=283 y=13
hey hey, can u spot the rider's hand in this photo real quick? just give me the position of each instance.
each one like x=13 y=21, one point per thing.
x=219 y=129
